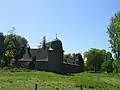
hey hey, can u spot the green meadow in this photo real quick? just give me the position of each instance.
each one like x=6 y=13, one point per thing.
x=50 y=81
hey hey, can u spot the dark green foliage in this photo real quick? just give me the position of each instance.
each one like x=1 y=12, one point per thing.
x=10 y=47
x=107 y=66
x=15 y=46
x=116 y=66
x=2 y=62
x=94 y=59
x=68 y=56
x=44 y=43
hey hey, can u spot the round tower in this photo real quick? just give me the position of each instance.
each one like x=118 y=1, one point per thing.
x=55 y=56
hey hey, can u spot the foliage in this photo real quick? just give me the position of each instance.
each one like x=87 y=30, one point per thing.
x=114 y=34
x=68 y=56
x=48 y=44
x=44 y=44
x=116 y=66
x=10 y=45
x=2 y=62
x=107 y=66
x=9 y=54
x=14 y=44
x=94 y=58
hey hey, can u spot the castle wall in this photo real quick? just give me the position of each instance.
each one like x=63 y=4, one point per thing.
x=41 y=65
x=22 y=64
x=54 y=61
x=67 y=68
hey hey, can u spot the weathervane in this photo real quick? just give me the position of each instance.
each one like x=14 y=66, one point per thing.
x=56 y=36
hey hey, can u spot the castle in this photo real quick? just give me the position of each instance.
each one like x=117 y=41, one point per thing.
x=51 y=60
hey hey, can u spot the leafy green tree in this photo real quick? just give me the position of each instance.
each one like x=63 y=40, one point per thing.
x=116 y=66
x=109 y=56
x=14 y=44
x=113 y=31
x=94 y=58
x=107 y=66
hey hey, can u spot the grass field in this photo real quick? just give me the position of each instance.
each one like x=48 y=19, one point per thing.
x=51 y=81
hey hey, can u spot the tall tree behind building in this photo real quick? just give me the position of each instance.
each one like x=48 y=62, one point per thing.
x=113 y=31
x=44 y=42
x=94 y=59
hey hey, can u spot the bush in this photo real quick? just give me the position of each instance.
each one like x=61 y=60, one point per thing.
x=2 y=62
x=5 y=69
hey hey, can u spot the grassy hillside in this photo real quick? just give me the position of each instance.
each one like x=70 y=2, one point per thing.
x=51 y=81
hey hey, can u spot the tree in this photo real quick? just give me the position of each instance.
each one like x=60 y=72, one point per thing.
x=113 y=31
x=116 y=66
x=68 y=56
x=44 y=44
x=94 y=58
x=14 y=44
x=109 y=56
x=107 y=66
x=48 y=44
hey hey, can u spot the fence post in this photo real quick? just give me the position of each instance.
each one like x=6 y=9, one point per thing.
x=81 y=87
x=36 y=85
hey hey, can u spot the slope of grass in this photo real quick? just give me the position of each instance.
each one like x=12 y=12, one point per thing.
x=51 y=81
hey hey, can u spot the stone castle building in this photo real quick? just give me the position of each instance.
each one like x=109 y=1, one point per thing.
x=51 y=60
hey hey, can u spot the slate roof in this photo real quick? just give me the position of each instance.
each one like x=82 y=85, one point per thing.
x=41 y=55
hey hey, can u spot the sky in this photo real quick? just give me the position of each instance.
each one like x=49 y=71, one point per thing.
x=79 y=24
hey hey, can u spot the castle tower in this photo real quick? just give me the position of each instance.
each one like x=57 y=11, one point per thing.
x=55 y=56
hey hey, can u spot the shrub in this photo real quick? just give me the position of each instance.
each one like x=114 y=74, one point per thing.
x=2 y=62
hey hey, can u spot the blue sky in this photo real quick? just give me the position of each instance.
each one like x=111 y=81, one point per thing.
x=80 y=24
